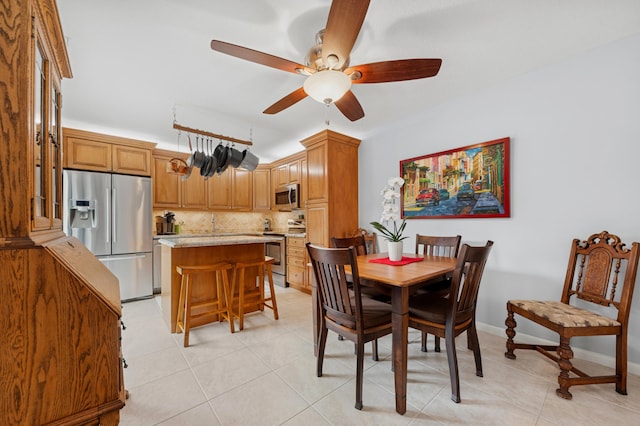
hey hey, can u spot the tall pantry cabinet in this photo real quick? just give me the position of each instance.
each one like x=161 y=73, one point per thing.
x=60 y=354
x=332 y=186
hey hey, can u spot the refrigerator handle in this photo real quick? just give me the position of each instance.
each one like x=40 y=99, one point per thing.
x=107 y=229
x=113 y=213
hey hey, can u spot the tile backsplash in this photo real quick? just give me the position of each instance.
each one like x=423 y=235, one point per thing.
x=199 y=222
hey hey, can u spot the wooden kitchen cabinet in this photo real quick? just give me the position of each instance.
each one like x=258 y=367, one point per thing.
x=232 y=190
x=194 y=192
x=170 y=191
x=261 y=188
x=242 y=190
x=61 y=358
x=219 y=189
x=105 y=153
x=282 y=175
x=289 y=172
x=296 y=264
x=332 y=186
x=166 y=187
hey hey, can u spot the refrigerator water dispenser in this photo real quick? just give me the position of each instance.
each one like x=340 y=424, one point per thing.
x=82 y=213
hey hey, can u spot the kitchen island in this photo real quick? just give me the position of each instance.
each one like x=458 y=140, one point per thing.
x=193 y=251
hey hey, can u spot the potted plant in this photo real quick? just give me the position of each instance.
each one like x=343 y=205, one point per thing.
x=391 y=213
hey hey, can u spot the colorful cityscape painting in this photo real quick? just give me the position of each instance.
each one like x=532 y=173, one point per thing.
x=467 y=182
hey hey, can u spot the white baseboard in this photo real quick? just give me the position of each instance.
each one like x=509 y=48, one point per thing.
x=605 y=360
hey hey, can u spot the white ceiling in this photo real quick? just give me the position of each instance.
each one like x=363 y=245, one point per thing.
x=138 y=64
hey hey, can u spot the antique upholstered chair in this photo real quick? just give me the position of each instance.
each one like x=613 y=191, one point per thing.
x=430 y=245
x=595 y=301
x=347 y=313
x=448 y=315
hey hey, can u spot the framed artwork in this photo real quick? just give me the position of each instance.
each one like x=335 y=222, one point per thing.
x=467 y=182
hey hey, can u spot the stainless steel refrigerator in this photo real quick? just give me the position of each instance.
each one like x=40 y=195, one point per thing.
x=112 y=215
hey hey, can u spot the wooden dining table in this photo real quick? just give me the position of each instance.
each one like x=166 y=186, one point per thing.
x=400 y=279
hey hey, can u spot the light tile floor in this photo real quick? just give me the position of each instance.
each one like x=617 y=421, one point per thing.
x=265 y=375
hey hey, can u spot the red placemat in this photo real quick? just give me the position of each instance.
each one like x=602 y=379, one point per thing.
x=405 y=260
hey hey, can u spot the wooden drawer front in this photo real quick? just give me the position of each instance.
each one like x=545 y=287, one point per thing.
x=295 y=275
x=293 y=251
x=296 y=262
x=295 y=241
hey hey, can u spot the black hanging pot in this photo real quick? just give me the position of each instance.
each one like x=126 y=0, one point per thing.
x=221 y=156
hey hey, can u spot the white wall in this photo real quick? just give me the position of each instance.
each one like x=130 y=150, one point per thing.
x=575 y=145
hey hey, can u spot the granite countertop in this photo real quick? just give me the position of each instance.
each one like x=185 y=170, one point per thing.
x=207 y=234
x=226 y=234
x=220 y=240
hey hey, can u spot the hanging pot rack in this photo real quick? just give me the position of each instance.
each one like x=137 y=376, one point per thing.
x=213 y=135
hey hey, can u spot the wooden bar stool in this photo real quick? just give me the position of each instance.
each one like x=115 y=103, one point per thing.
x=256 y=298
x=208 y=309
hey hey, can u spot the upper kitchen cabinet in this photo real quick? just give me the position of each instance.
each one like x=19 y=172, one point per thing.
x=104 y=153
x=289 y=172
x=261 y=188
x=332 y=186
x=231 y=190
x=170 y=190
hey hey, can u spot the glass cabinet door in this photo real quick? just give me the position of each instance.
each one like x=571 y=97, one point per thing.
x=39 y=215
x=47 y=142
x=55 y=137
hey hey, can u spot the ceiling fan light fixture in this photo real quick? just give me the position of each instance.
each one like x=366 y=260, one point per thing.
x=327 y=86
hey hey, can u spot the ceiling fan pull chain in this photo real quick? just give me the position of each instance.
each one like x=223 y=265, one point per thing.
x=326 y=115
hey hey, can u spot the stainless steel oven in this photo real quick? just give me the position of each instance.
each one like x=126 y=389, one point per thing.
x=276 y=249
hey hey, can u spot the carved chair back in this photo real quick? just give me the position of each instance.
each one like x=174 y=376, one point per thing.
x=602 y=271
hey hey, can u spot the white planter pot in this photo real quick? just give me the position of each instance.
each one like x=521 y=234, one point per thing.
x=395 y=250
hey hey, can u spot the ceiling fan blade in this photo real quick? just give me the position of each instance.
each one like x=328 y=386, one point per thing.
x=400 y=70
x=260 y=57
x=349 y=106
x=287 y=101
x=343 y=26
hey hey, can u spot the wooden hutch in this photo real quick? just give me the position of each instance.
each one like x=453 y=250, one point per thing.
x=60 y=353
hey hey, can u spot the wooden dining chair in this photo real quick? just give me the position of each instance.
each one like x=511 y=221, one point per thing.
x=430 y=245
x=367 y=288
x=345 y=312
x=448 y=315
x=601 y=273
x=370 y=239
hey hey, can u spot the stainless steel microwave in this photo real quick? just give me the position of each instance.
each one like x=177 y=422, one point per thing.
x=288 y=197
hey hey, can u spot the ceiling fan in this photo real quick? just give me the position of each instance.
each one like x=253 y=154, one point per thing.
x=327 y=64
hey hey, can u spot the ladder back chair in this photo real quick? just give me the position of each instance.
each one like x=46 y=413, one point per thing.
x=359 y=319
x=367 y=288
x=600 y=280
x=370 y=239
x=448 y=315
x=430 y=245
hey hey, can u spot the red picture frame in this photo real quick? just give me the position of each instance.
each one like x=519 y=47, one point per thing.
x=467 y=182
